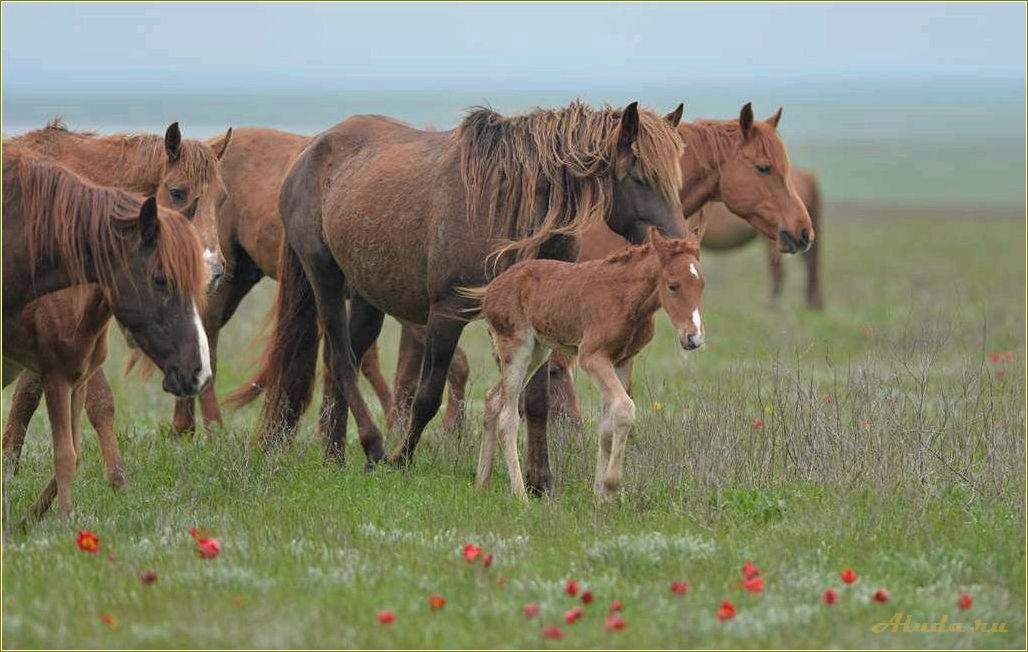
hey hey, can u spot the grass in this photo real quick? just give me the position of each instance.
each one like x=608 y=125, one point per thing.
x=890 y=444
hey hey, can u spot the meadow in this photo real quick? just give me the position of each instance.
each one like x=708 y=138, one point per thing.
x=885 y=434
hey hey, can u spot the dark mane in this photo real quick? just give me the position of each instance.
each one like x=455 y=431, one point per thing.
x=570 y=152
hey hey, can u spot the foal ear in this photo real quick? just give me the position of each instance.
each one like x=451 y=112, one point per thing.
x=148 y=225
x=676 y=116
x=696 y=225
x=746 y=120
x=220 y=146
x=660 y=245
x=628 y=132
x=173 y=142
x=773 y=120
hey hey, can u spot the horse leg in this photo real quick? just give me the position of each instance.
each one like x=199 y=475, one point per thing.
x=563 y=400
x=100 y=410
x=456 y=380
x=537 y=411
x=519 y=358
x=811 y=259
x=408 y=368
x=777 y=273
x=27 y=393
x=441 y=336
x=371 y=368
x=619 y=417
x=58 y=407
x=493 y=404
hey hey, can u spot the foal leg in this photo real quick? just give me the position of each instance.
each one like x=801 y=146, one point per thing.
x=493 y=404
x=58 y=406
x=519 y=358
x=27 y=393
x=100 y=410
x=619 y=417
x=456 y=380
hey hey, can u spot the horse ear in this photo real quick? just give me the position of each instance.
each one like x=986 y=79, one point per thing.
x=220 y=146
x=696 y=225
x=629 y=130
x=173 y=142
x=773 y=120
x=148 y=225
x=746 y=120
x=675 y=116
x=660 y=245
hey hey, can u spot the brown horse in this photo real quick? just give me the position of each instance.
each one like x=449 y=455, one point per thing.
x=60 y=230
x=741 y=162
x=601 y=310
x=402 y=217
x=69 y=328
x=250 y=233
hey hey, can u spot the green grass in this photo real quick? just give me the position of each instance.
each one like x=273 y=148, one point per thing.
x=913 y=474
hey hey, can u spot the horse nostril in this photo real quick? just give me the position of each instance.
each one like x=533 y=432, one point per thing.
x=805 y=236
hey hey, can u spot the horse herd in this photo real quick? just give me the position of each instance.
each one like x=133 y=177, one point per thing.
x=168 y=235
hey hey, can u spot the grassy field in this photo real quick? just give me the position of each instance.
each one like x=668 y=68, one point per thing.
x=891 y=443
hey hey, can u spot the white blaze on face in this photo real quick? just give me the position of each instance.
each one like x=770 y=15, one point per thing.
x=210 y=257
x=696 y=321
x=205 y=349
x=692 y=268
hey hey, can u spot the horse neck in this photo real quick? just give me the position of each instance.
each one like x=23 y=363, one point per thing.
x=701 y=170
x=635 y=280
x=133 y=163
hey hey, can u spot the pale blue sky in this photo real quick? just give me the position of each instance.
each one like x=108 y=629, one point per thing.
x=201 y=46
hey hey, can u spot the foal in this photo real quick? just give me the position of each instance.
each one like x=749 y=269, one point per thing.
x=601 y=310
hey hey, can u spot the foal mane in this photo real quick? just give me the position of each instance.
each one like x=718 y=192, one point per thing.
x=713 y=140
x=632 y=253
x=73 y=221
x=571 y=151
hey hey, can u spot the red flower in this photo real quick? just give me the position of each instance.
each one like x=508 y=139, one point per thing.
x=1008 y=356
x=487 y=561
x=572 y=615
x=758 y=423
x=531 y=610
x=827 y=399
x=208 y=547
x=849 y=576
x=678 y=587
x=553 y=632
x=830 y=596
x=616 y=605
x=995 y=358
x=501 y=581
x=964 y=602
x=436 y=601
x=866 y=330
x=148 y=576
x=614 y=622
x=88 y=542
x=471 y=552
x=749 y=570
x=571 y=588
x=386 y=617
x=881 y=595
x=109 y=620
x=754 y=585
x=726 y=610
x=587 y=597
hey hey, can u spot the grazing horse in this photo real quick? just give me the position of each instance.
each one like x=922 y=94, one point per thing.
x=402 y=217
x=601 y=310
x=60 y=230
x=69 y=328
x=250 y=234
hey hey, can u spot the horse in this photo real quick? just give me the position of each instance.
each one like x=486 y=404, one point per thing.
x=61 y=230
x=601 y=310
x=724 y=231
x=69 y=329
x=250 y=235
x=741 y=162
x=401 y=217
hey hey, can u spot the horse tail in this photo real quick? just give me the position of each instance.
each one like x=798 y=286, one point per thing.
x=475 y=297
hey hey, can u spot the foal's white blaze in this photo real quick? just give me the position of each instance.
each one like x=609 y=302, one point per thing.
x=696 y=321
x=210 y=257
x=692 y=268
x=205 y=349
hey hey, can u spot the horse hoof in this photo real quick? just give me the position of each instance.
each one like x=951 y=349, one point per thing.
x=117 y=477
x=539 y=486
x=399 y=461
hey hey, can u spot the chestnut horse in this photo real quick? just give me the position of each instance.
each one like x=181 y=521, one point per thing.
x=69 y=328
x=601 y=310
x=402 y=217
x=250 y=234
x=60 y=230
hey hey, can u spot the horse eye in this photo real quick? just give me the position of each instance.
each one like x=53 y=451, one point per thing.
x=673 y=286
x=177 y=194
x=764 y=169
x=160 y=280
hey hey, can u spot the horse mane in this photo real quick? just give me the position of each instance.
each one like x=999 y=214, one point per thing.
x=713 y=140
x=632 y=253
x=506 y=160
x=83 y=225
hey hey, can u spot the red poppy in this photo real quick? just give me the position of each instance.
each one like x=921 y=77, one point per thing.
x=386 y=617
x=148 y=576
x=487 y=561
x=749 y=570
x=754 y=584
x=849 y=576
x=471 y=552
x=827 y=399
x=964 y=602
x=552 y=632
x=571 y=588
x=109 y=620
x=995 y=358
x=881 y=595
x=726 y=610
x=679 y=587
x=88 y=542
x=208 y=547
x=587 y=597
x=758 y=423
x=616 y=605
x=572 y=615
x=614 y=622
x=1008 y=356
x=830 y=596
x=531 y=610
x=436 y=601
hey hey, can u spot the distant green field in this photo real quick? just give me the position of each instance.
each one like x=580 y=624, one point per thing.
x=891 y=443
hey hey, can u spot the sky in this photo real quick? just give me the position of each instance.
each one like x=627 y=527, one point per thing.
x=178 y=46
